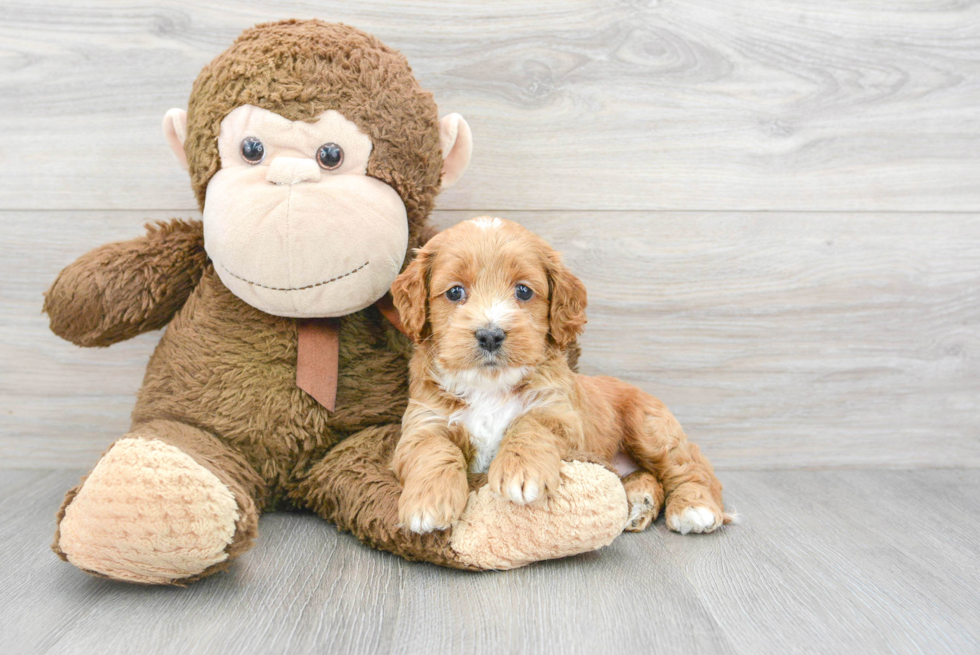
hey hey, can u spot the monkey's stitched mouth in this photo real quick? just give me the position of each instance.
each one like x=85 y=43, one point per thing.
x=308 y=286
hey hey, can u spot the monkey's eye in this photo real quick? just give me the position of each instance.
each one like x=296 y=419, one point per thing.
x=252 y=150
x=330 y=156
x=456 y=294
x=523 y=292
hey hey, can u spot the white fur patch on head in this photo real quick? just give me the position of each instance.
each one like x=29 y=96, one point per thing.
x=499 y=313
x=487 y=222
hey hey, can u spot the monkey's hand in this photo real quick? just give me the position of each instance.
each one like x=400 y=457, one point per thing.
x=120 y=290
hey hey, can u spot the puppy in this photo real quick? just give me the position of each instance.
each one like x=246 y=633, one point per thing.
x=492 y=309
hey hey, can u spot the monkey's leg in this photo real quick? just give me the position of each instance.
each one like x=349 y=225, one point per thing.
x=659 y=445
x=167 y=504
x=355 y=488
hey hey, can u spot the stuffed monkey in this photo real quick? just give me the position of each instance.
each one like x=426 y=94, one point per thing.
x=281 y=378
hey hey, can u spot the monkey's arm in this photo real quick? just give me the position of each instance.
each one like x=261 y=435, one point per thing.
x=355 y=487
x=120 y=290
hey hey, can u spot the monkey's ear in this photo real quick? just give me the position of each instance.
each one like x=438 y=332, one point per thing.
x=410 y=294
x=568 y=301
x=457 y=148
x=175 y=131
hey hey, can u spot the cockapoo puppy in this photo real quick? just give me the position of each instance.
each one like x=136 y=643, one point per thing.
x=492 y=309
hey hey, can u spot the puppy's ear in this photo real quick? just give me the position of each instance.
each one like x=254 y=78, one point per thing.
x=568 y=300
x=410 y=293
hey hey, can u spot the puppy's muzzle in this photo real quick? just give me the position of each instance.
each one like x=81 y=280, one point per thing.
x=490 y=339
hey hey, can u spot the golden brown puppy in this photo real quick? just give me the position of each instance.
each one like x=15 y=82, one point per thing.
x=492 y=309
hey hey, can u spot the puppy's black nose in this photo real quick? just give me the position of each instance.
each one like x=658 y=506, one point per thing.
x=491 y=339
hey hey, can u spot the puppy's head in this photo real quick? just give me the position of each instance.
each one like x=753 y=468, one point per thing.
x=488 y=296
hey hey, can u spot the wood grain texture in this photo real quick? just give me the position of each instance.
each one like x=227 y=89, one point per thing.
x=829 y=562
x=845 y=561
x=779 y=340
x=574 y=104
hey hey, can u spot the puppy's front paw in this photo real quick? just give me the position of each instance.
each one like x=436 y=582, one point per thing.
x=523 y=479
x=433 y=505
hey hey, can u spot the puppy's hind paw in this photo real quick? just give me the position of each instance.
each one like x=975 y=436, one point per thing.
x=642 y=513
x=645 y=495
x=696 y=519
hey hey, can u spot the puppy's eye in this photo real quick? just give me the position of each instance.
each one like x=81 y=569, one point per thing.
x=456 y=294
x=523 y=292
x=330 y=156
x=252 y=150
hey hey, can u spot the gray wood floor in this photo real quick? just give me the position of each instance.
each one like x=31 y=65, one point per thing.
x=823 y=561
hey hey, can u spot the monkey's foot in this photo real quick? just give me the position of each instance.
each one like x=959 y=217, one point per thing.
x=586 y=512
x=148 y=513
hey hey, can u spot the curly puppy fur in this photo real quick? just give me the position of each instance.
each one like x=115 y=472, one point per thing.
x=492 y=308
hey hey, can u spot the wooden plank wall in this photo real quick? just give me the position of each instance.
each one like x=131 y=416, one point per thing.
x=775 y=205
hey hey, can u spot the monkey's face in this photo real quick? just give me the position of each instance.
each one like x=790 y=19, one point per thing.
x=292 y=222
x=325 y=166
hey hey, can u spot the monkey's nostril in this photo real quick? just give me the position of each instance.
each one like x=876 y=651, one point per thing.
x=490 y=339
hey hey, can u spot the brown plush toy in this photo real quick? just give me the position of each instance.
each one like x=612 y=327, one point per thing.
x=281 y=378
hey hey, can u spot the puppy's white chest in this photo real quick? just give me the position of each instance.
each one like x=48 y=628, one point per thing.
x=486 y=418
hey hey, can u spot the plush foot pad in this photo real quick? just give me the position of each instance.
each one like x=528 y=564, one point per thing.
x=148 y=513
x=587 y=512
